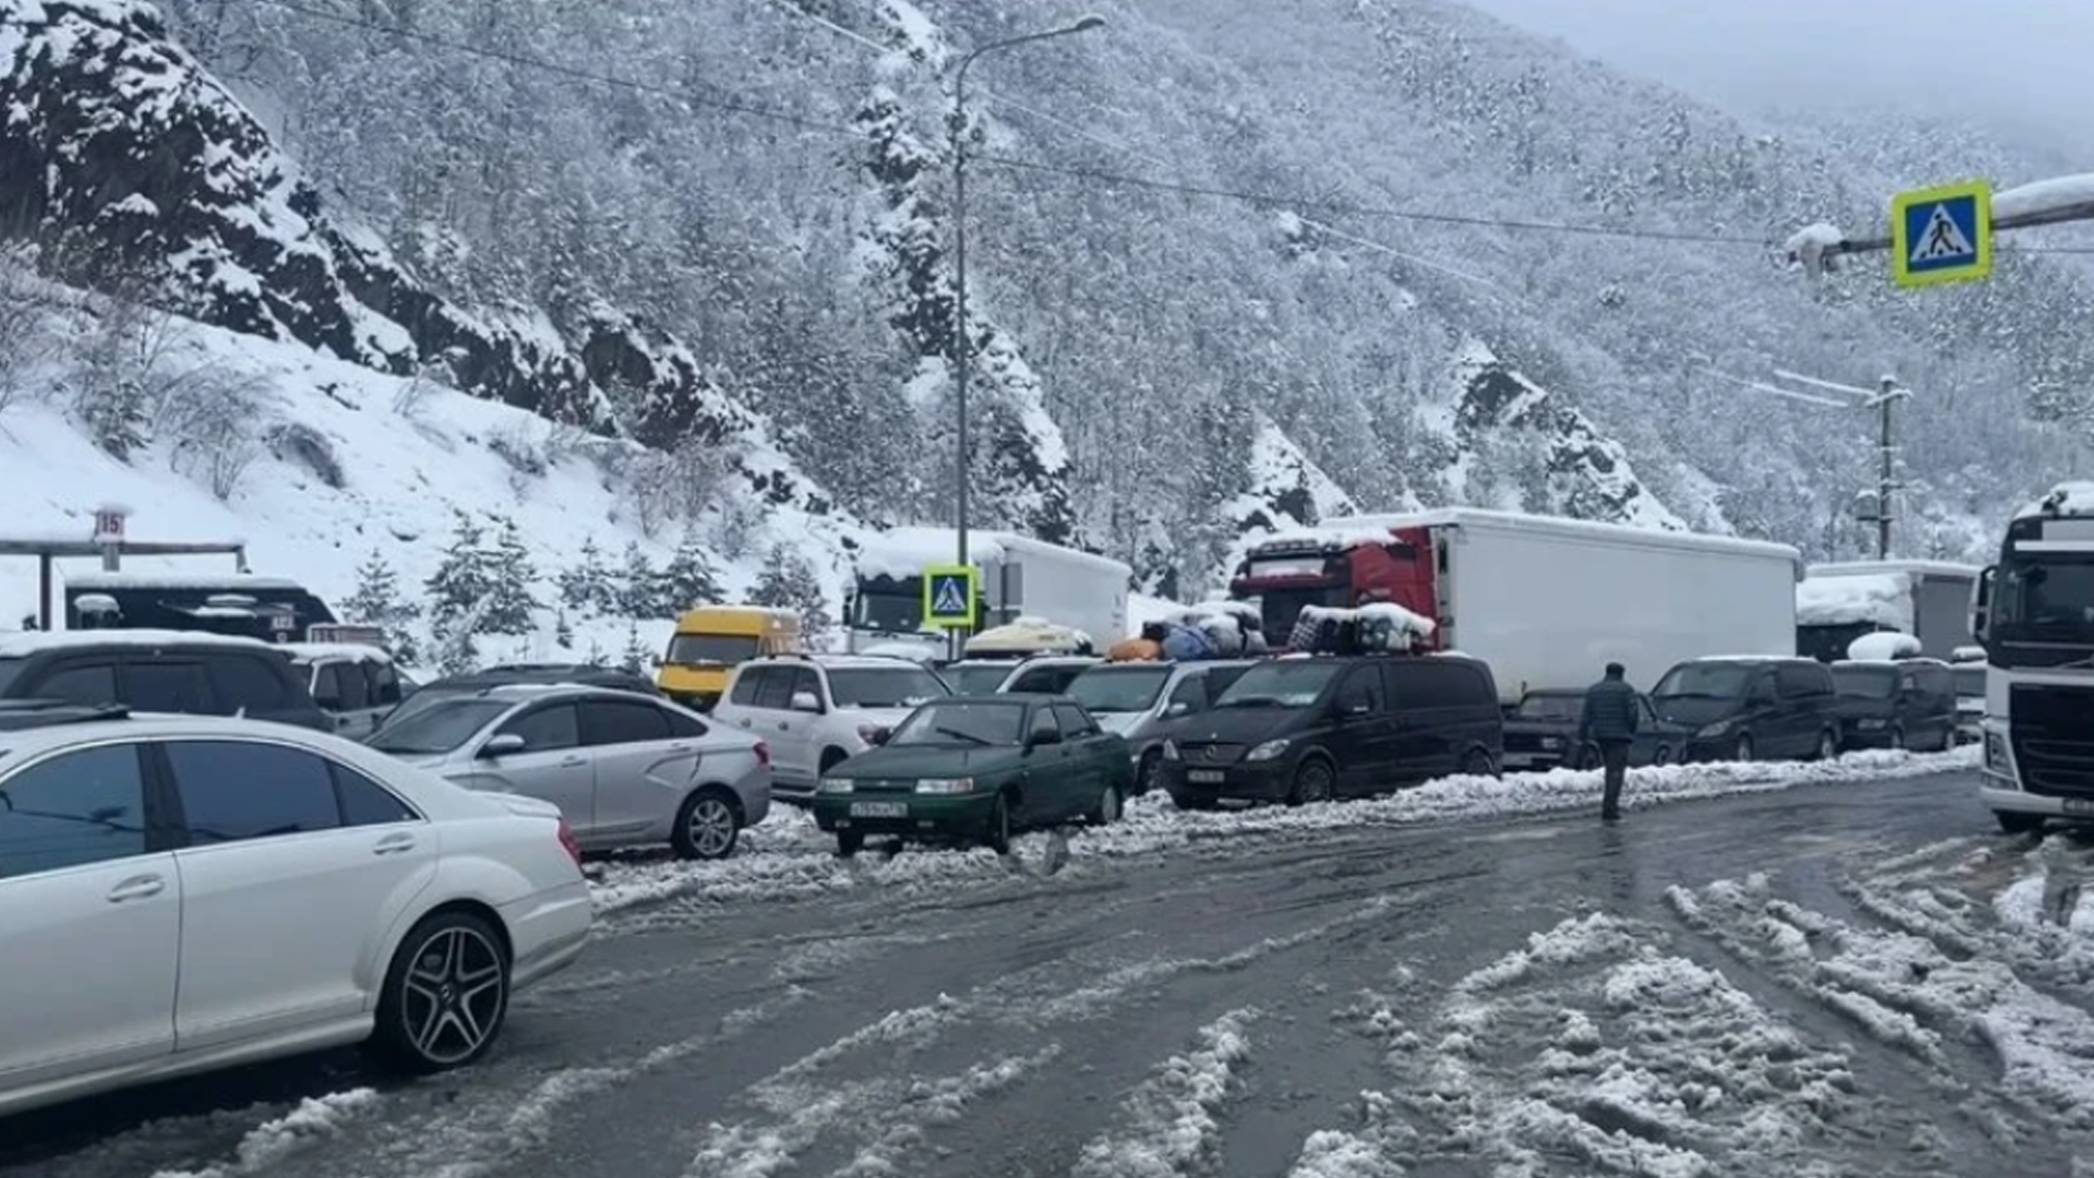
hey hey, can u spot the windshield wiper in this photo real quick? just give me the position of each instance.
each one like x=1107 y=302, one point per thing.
x=1251 y=701
x=966 y=736
x=1690 y=695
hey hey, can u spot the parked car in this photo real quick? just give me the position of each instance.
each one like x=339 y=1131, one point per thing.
x=627 y=771
x=1142 y=702
x=979 y=768
x=356 y=685
x=1752 y=708
x=159 y=671
x=818 y=711
x=179 y=894
x=1299 y=730
x=1042 y=675
x=579 y=674
x=1970 y=701
x=1541 y=732
x=1908 y=704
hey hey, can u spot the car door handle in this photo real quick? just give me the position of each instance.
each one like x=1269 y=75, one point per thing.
x=574 y=762
x=138 y=887
x=394 y=844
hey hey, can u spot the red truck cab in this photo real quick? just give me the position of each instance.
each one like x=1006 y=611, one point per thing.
x=1342 y=571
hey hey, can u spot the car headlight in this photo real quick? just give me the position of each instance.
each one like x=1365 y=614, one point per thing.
x=836 y=785
x=1170 y=750
x=945 y=785
x=1268 y=750
x=1996 y=752
x=1719 y=728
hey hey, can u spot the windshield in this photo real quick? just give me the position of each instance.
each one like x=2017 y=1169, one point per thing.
x=439 y=727
x=1279 y=685
x=897 y=610
x=2045 y=598
x=883 y=687
x=1555 y=706
x=1865 y=682
x=1704 y=681
x=1120 y=689
x=9 y=668
x=962 y=722
x=711 y=650
x=977 y=680
x=1970 y=682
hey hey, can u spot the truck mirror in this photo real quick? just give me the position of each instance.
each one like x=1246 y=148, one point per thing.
x=1981 y=604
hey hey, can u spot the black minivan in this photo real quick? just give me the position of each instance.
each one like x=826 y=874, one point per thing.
x=159 y=671
x=1300 y=730
x=1746 y=709
x=1908 y=704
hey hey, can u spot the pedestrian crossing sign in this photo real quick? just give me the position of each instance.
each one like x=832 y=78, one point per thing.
x=948 y=597
x=1942 y=234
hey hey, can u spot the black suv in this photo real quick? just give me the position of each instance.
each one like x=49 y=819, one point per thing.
x=1745 y=709
x=1909 y=704
x=153 y=671
x=1300 y=730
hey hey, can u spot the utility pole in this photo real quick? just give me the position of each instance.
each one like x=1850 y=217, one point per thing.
x=963 y=340
x=1885 y=478
x=1888 y=393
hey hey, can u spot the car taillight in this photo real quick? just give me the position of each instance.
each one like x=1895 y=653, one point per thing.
x=569 y=845
x=763 y=754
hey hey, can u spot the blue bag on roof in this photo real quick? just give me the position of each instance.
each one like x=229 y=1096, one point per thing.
x=1185 y=644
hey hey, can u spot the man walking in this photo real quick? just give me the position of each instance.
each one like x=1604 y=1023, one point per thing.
x=1610 y=722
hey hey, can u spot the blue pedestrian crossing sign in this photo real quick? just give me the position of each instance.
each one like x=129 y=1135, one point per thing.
x=1942 y=235
x=948 y=597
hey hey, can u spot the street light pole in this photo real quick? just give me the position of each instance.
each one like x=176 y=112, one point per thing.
x=963 y=342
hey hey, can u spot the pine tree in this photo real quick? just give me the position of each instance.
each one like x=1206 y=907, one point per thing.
x=586 y=588
x=635 y=658
x=461 y=583
x=377 y=602
x=688 y=580
x=512 y=577
x=788 y=581
x=640 y=586
x=563 y=631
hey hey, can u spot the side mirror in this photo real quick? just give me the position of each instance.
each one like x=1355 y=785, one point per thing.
x=328 y=702
x=879 y=736
x=1981 y=604
x=807 y=701
x=502 y=744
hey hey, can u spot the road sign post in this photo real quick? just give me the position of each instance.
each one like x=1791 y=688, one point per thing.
x=949 y=595
x=1942 y=235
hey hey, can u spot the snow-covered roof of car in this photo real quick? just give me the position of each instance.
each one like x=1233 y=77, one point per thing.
x=308 y=652
x=28 y=642
x=842 y=661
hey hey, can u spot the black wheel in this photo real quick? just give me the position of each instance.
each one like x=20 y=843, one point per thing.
x=831 y=758
x=1149 y=773
x=997 y=834
x=1478 y=763
x=1745 y=750
x=1897 y=736
x=445 y=995
x=1312 y=782
x=707 y=826
x=1107 y=811
x=1662 y=757
x=1588 y=757
x=1828 y=746
x=849 y=842
x=2018 y=823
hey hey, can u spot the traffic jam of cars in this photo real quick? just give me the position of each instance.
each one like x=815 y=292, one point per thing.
x=412 y=854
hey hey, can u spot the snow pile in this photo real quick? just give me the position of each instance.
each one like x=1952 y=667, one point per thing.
x=2074 y=498
x=1175 y=1129
x=1813 y=246
x=1884 y=646
x=273 y=1142
x=904 y=552
x=2061 y=194
x=1882 y=599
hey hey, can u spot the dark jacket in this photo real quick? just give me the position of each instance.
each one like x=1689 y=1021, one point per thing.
x=1610 y=711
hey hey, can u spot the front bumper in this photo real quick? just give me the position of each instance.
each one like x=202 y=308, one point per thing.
x=935 y=815
x=1534 y=760
x=1998 y=794
x=1263 y=781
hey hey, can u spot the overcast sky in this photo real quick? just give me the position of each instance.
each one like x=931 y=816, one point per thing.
x=2024 y=67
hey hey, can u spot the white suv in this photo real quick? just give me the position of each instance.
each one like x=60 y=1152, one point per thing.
x=818 y=711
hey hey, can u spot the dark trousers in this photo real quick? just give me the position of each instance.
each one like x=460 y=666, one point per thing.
x=1614 y=755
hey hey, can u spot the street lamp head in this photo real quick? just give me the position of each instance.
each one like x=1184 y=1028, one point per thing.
x=1086 y=24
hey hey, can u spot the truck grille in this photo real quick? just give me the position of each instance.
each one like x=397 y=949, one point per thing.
x=1523 y=742
x=1210 y=753
x=2054 y=739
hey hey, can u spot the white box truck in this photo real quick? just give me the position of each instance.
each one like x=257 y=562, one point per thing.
x=1930 y=600
x=1020 y=577
x=1546 y=602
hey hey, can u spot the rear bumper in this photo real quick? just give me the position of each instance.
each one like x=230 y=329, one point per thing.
x=921 y=814
x=546 y=931
x=1269 y=781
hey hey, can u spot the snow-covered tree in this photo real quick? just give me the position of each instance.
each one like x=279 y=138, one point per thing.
x=641 y=589
x=514 y=602
x=688 y=579
x=788 y=581
x=586 y=587
x=377 y=601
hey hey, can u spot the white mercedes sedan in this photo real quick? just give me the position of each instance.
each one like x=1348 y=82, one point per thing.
x=179 y=894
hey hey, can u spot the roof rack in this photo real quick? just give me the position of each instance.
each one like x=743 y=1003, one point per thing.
x=19 y=714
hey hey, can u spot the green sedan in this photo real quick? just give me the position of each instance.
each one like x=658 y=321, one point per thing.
x=976 y=769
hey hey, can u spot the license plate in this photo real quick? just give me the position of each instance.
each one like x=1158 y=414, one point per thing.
x=2079 y=806
x=1517 y=760
x=1206 y=776
x=879 y=809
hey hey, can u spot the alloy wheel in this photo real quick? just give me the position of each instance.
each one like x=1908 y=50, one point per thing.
x=453 y=995
x=710 y=830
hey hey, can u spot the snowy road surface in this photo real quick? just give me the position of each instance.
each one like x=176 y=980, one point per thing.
x=1847 y=977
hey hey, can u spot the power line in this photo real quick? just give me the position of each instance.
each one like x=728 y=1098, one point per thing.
x=731 y=105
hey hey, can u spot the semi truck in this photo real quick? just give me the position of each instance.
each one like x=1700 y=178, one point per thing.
x=1020 y=577
x=1547 y=602
x=2034 y=614
x=1838 y=603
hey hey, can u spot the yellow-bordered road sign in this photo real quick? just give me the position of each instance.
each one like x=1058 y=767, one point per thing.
x=948 y=596
x=1942 y=234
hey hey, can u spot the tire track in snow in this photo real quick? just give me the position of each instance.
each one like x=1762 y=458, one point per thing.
x=316 y=1120
x=1175 y=1120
